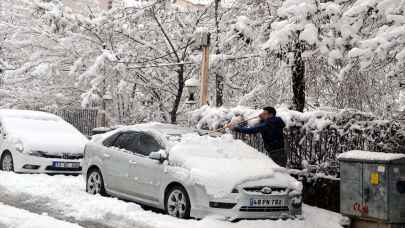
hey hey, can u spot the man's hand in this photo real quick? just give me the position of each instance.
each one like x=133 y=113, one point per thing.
x=230 y=126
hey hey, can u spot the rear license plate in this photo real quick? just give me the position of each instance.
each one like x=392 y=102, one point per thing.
x=266 y=202
x=66 y=164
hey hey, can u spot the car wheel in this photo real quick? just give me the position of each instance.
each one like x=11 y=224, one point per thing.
x=95 y=183
x=6 y=162
x=177 y=202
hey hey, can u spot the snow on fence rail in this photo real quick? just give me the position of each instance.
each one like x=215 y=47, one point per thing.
x=317 y=137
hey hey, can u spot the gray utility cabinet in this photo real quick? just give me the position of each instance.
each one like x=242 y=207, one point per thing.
x=373 y=186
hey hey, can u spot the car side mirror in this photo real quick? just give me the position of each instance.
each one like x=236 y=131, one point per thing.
x=159 y=156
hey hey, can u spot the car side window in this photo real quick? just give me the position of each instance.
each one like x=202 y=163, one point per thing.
x=147 y=144
x=124 y=140
x=110 y=140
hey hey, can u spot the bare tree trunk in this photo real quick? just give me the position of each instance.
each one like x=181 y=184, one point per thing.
x=180 y=71
x=298 y=78
x=219 y=79
x=176 y=104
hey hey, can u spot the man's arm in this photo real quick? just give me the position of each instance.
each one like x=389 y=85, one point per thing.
x=251 y=130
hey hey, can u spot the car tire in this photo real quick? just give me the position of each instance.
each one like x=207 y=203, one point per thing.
x=95 y=182
x=6 y=162
x=177 y=202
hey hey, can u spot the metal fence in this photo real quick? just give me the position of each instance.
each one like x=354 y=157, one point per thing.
x=85 y=120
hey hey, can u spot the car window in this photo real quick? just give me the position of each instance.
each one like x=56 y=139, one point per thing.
x=147 y=144
x=124 y=140
x=110 y=140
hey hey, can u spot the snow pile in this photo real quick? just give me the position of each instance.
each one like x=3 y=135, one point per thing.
x=66 y=195
x=370 y=156
x=11 y=217
x=220 y=164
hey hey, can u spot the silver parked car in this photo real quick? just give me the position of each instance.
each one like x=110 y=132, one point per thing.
x=148 y=164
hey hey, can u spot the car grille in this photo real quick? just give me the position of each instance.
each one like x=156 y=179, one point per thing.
x=258 y=189
x=264 y=209
x=66 y=156
x=51 y=168
x=222 y=205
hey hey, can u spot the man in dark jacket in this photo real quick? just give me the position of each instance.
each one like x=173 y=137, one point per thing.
x=271 y=129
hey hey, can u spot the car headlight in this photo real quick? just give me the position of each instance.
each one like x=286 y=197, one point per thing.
x=19 y=146
x=35 y=153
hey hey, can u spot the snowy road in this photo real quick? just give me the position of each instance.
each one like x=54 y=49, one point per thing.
x=17 y=218
x=64 y=198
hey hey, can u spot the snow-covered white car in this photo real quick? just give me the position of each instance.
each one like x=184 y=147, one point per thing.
x=189 y=175
x=39 y=142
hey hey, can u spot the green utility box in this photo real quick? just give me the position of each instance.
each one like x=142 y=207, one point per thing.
x=372 y=187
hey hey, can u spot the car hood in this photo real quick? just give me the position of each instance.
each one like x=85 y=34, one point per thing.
x=54 y=143
x=221 y=164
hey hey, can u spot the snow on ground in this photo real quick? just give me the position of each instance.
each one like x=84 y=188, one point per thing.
x=67 y=194
x=11 y=217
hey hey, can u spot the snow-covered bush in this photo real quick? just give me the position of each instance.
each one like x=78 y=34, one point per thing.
x=315 y=137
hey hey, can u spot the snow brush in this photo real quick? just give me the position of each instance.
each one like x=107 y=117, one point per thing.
x=226 y=126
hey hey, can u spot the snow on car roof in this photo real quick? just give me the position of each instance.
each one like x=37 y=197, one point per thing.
x=28 y=114
x=165 y=129
x=161 y=128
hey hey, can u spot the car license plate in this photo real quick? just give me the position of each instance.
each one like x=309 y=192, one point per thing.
x=266 y=202
x=66 y=164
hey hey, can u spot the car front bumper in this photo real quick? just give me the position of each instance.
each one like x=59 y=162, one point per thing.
x=243 y=209
x=25 y=163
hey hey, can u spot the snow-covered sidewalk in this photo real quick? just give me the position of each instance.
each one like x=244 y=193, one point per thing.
x=11 y=217
x=67 y=195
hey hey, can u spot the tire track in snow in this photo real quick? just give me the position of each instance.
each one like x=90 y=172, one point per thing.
x=41 y=205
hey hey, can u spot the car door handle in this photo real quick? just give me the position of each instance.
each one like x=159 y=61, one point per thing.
x=106 y=155
x=132 y=162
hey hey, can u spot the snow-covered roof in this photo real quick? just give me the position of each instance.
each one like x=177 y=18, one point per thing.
x=359 y=155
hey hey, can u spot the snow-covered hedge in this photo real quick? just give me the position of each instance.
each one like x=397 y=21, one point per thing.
x=213 y=118
x=316 y=137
